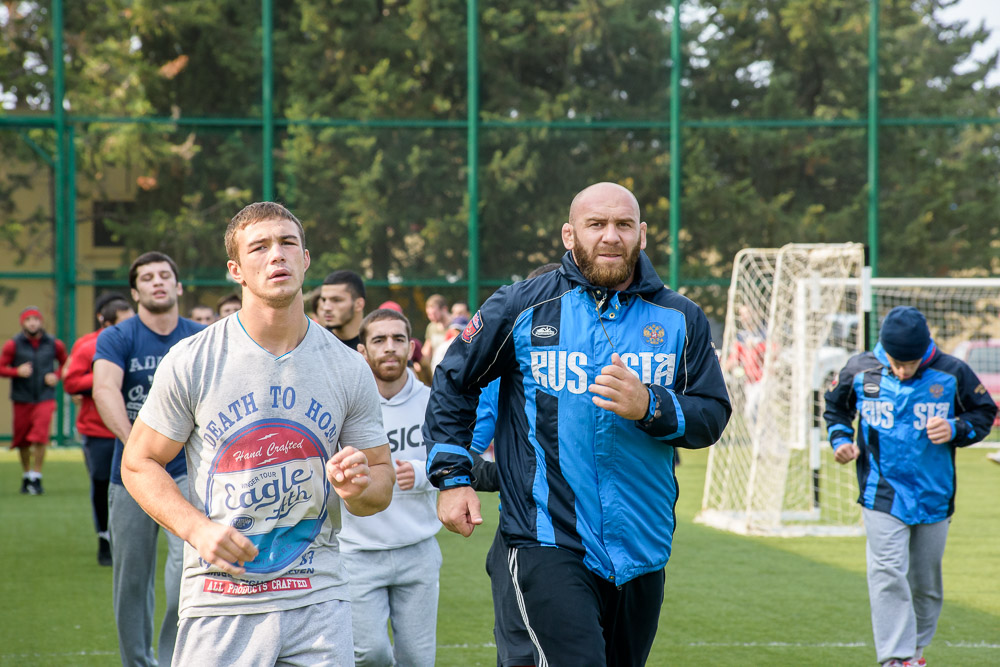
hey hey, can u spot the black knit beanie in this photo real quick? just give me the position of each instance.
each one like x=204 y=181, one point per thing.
x=904 y=334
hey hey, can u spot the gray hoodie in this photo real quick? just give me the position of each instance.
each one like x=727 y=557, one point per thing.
x=412 y=515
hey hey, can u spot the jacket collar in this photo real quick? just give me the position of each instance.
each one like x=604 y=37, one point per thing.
x=929 y=355
x=43 y=336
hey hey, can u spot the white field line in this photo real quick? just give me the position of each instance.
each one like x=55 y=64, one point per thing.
x=65 y=654
x=490 y=645
x=950 y=644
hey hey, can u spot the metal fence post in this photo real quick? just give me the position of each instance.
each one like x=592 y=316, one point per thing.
x=675 y=146
x=472 y=39
x=267 y=100
x=873 y=185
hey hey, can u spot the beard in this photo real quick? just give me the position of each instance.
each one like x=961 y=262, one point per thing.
x=332 y=322
x=158 y=308
x=336 y=318
x=603 y=275
x=387 y=374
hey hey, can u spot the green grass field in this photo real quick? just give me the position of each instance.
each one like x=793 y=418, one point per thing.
x=729 y=600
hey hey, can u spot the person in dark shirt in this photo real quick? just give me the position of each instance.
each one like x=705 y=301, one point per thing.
x=341 y=306
x=32 y=360
x=126 y=359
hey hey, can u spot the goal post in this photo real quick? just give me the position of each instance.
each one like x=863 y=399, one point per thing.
x=795 y=315
x=793 y=319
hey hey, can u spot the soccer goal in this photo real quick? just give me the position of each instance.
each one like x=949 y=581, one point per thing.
x=793 y=319
x=795 y=315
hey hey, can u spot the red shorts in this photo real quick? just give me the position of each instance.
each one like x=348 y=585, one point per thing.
x=32 y=422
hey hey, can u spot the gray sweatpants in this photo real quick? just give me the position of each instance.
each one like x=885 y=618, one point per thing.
x=317 y=634
x=905 y=587
x=401 y=586
x=133 y=579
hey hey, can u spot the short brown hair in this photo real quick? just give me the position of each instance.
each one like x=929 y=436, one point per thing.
x=112 y=309
x=151 y=257
x=229 y=298
x=437 y=301
x=542 y=270
x=377 y=316
x=254 y=213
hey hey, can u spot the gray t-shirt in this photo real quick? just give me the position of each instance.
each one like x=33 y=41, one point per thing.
x=259 y=430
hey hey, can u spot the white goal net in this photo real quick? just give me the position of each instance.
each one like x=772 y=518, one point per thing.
x=959 y=311
x=792 y=322
x=795 y=315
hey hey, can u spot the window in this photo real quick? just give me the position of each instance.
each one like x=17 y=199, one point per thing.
x=112 y=212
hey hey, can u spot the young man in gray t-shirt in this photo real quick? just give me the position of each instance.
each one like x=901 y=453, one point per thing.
x=275 y=416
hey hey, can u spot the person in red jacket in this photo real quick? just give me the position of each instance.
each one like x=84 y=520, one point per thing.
x=32 y=360
x=98 y=442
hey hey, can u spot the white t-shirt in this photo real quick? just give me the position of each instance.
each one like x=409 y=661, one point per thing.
x=258 y=431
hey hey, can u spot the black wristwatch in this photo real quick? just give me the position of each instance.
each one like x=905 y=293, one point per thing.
x=654 y=412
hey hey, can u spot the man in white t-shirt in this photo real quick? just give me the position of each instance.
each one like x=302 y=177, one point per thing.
x=273 y=413
x=393 y=559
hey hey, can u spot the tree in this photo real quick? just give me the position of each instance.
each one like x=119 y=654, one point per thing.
x=392 y=201
x=808 y=59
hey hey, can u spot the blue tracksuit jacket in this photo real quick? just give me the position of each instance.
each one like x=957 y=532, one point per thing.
x=900 y=471
x=573 y=475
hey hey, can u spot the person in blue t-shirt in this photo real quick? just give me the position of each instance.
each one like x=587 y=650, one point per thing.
x=126 y=358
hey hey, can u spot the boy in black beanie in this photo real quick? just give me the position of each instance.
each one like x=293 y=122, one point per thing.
x=917 y=405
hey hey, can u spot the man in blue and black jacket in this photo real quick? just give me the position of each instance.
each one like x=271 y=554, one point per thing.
x=917 y=405
x=603 y=371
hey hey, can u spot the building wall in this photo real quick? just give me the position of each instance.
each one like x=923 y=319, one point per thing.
x=31 y=247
